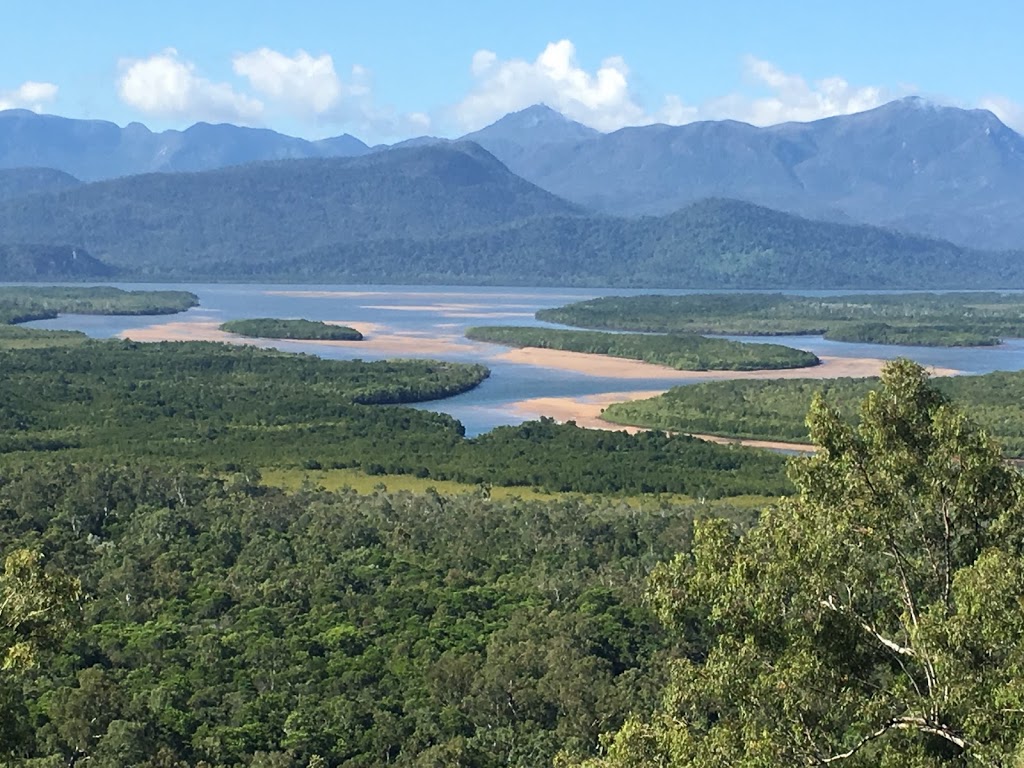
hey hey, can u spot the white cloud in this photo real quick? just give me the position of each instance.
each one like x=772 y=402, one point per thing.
x=601 y=99
x=605 y=99
x=29 y=95
x=1010 y=112
x=303 y=83
x=301 y=87
x=166 y=86
x=791 y=97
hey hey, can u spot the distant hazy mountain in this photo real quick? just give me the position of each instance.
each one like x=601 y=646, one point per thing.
x=941 y=171
x=260 y=212
x=18 y=182
x=452 y=213
x=526 y=141
x=93 y=149
x=947 y=172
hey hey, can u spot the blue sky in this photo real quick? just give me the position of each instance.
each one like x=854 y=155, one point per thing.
x=388 y=70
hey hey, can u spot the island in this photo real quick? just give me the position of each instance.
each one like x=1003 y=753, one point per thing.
x=919 y=319
x=23 y=304
x=681 y=351
x=298 y=330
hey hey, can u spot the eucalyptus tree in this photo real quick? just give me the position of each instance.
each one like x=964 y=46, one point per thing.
x=875 y=618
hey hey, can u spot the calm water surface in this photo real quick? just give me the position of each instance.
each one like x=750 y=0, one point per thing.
x=442 y=312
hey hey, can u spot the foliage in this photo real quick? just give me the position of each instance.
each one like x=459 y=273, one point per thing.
x=925 y=319
x=223 y=405
x=276 y=328
x=875 y=619
x=23 y=303
x=773 y=410
x=228 y=624
x=13 y=337
x=684 y=352
x=36 y=608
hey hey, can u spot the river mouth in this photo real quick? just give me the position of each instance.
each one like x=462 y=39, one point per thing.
x=415 y=321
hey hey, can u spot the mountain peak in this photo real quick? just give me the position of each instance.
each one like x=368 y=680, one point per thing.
x=538 y=125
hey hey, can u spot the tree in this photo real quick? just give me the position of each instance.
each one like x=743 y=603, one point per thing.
x=876 y=618
x=36 y=609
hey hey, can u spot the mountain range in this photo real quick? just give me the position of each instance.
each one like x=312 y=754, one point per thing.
x=452 y=213
x=909 y=165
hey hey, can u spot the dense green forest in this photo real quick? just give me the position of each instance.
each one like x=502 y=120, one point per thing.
x=221 y=406
x=927 y=319
x=23 y=303
x=229 y=624
x=686 y=352
x=875 y=618
x=276 y=328
x=198 y=618
x=451 y=213
x=775 y=410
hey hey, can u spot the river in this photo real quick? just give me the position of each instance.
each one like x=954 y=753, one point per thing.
x=417 y=321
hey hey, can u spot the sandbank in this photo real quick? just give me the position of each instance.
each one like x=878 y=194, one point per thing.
x=377 y=339
x=321 y=294
x=620 y=368
x=586 y=412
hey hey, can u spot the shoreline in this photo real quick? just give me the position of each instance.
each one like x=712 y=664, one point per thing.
x=831 y=367
x=586 y=412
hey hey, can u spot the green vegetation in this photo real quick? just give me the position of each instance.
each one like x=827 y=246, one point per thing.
x=221 y=406
x=21 y=304
x=689 y=352
x=13 y=337
x=24 y=303
x=874 y=619
x=274 y=328
x=775 y=410
x=197 y=617
x=950 y=319
x=226 y=623
x=450 y=213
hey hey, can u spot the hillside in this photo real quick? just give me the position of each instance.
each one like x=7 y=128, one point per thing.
x=50 y=262
x=947 y=172
x=940 y=171
x=19 y=182
x=186 y=225
x=451 y=213
x=711 y=244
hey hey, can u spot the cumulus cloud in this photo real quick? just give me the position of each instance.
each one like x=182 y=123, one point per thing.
x=303 y=82
x=605 y=98
x=792 y=98
x=273 y=85
x=1010 y=112
x=29 y=95
x=167 y=86
x=601 y=98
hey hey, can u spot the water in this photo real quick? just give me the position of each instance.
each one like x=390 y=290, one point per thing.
x=405 y=321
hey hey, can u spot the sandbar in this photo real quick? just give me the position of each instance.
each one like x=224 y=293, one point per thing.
x=321 y=294
x=620 y=368
x=586 y=412
x=378 y=339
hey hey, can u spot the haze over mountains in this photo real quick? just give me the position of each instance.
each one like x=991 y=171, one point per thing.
x=452 y=213
x=627 y=208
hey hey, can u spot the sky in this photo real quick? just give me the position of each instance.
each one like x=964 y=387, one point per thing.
x=388 y=70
